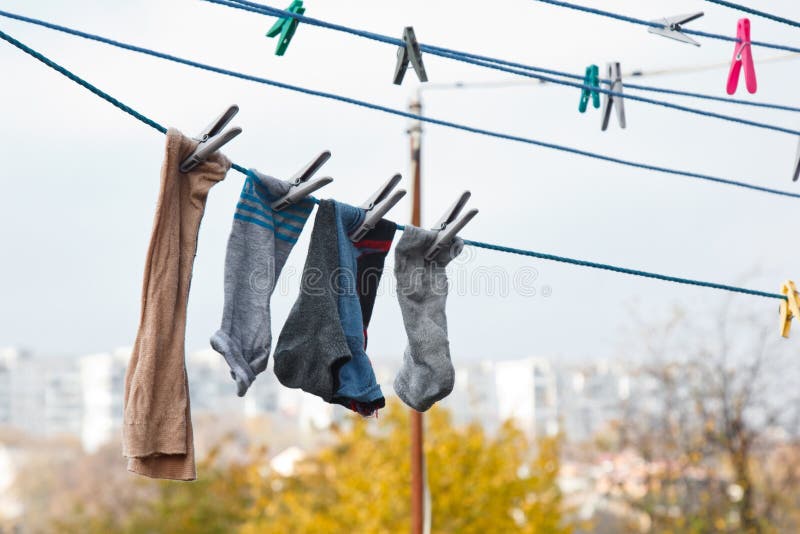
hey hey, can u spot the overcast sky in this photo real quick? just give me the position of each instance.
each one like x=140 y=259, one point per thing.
x=80 y=178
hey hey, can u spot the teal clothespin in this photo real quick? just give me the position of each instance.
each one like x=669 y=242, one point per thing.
x=286 y=27
x=592 y=79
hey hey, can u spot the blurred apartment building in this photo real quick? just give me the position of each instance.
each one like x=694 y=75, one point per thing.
x=102 y=387
x=592 y=396
x=39 y=396
x=82 y=397
x=540 y=397
x=491 y=392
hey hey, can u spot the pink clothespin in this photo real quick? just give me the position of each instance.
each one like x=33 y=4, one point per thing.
x=742 y=54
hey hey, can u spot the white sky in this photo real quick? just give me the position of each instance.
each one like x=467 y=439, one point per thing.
x=80 y=178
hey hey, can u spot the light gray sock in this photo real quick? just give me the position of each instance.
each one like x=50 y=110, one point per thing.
x=259 y=244
x=312 y=346
x=427 y=374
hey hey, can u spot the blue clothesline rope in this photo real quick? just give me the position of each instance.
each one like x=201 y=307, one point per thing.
x=639 y=87
x=702 y=96
x=246 y=5
x=752 y=11
x=402 y=113
x=489 y=246
x=621 y=270
x=495 y=64
x=633 y=20
x=627 y=96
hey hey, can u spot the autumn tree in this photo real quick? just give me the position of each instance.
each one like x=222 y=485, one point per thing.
x=477 y=482
x=359 y=483
x=717 y=406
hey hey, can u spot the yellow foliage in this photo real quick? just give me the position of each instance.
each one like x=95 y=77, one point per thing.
x=478 y=483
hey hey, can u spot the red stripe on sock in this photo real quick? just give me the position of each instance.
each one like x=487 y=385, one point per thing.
x=381 y=245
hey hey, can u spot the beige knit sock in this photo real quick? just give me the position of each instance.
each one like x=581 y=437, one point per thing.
x=157 y=426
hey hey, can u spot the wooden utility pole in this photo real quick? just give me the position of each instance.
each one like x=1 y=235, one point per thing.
x=417 y=436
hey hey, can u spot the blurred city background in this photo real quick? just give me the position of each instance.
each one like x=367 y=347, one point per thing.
x=585 y=401
x=698 y=433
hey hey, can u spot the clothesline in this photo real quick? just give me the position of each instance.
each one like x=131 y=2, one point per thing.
x=756 y=12
x=686 y=69
x=651 y=24
x=638 y=73
x=497 y=64
x=401 y=113
x=246 y=5
x=644 y=73
x=500 y=248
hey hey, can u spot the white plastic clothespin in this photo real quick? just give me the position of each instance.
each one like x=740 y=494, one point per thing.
x=409 y=53
x=377 y=206
x=796 y=175
x=211 y=139
x=448 y=226
x=302 y=183
x=609 y=101
x=671 y=27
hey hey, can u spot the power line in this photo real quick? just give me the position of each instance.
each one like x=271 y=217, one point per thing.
x=649 y=88
x=626 y=96
x=752 y=11
x=651 y=24
x=713 y=66
x=253 y=7
x=489 y=246
x=637 y=73
x=401 y=113
x=507 y=66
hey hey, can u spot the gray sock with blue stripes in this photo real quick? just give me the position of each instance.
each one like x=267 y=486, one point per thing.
x=260 y=241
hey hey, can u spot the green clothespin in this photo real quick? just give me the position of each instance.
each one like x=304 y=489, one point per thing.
x=592 y=79
x=286 y=27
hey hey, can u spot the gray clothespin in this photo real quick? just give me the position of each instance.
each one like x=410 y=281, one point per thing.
x=609 y=101
x=302 y=184
x=211 y=139
x=448 y=226
x=671 y=27
x=377 y=206
x=409 y=53
x=797 y=165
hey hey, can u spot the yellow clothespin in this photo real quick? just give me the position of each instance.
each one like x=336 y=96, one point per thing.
x=790 y=308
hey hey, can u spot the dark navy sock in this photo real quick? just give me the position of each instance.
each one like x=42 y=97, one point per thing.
x=373 y=249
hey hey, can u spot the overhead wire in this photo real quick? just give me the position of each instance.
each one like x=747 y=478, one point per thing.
x=520 y=69
x=655 y=24
x=637 y=73
x=401 y=113
x=479 y=244
x=756 y=12
x=253 y=7
x=686 y=69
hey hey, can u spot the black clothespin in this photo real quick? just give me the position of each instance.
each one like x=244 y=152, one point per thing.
x=302 y=183
x=448 y=226
x=211 y=139
x=671 y=27
x=377 y=206
x=409 y=53
x=609 y=101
